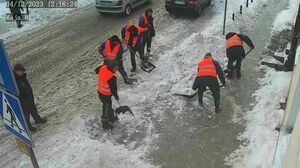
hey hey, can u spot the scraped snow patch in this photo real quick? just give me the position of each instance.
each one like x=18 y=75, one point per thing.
x=260 y=133
x=79 y=150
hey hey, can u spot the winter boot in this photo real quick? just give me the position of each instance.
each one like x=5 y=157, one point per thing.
x=238 y=75
x=32 y=129
x=19 y=25
x=229 y=74
x=127 y=81
x=133 y=69
x=112 y=117
x=41 y=121
x=218 y=110
x=105 y=123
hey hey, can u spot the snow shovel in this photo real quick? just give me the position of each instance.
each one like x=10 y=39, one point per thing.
x=123 y=109
x=146 y=65
x=191 y=95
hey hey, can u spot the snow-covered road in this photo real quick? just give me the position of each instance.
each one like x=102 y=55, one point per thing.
x=167 y=131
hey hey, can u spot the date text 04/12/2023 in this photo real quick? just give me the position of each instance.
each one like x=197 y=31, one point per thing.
x=42 y=4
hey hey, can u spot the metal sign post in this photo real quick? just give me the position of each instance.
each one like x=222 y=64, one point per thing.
x=225 y=13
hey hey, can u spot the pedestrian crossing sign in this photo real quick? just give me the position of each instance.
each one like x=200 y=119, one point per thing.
x=7 y=80
x=13 y=118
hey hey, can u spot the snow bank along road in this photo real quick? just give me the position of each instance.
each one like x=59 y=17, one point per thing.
x=167 y=131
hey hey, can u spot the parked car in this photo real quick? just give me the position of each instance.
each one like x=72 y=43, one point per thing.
x=105 y=7
x=195 y=6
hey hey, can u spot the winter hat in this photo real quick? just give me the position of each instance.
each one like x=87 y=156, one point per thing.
x=230 y=34
x=19 y=67
x=149 y=10
x=115 y=39
x=133 y=30
x=207 y=55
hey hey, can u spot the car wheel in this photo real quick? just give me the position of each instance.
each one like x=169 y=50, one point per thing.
x=128 y=10
x=198 y=12
x=209 y=3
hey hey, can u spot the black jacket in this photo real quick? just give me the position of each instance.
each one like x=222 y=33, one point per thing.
x=219 y=72
x=26 y=93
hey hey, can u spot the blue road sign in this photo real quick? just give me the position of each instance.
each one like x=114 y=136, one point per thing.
x=13 y=117
x=7 y=81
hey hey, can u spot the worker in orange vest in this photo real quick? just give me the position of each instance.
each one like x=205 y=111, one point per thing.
x=209 y=70
x=112 y=49
x=107 y=87
x=146 y=21
x=235 y=51
x=133 y=38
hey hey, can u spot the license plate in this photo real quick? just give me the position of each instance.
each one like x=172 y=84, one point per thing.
x=107 y=3
x=180 y=2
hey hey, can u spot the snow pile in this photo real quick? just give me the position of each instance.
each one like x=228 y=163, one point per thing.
x=287 y=18
x=260 y=135
x=281 y=149
x=39 y=17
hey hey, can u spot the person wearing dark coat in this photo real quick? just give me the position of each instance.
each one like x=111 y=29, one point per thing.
x=235 y=51
x=146 y=21
x=209 y=70
x=114 y=42
x=107 y=87
x=15 y=7
x=26 y=97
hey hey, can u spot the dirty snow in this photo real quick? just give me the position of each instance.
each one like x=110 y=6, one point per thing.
x=260 y=132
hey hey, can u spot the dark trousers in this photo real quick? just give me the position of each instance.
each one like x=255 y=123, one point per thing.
x=213 y=84
x=147 y=41
x=29 y=108
x=121 y=68
x=107 y=111
x=133 y=50
x=235 y=54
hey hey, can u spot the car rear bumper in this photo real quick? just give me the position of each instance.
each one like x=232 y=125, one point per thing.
x=179 y=8
x=112 y=9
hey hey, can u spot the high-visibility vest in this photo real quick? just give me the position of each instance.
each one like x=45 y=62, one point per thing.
x=206 y=67
x=135 y=39
x=146 y=21
x=234 y=41
x=111 y=54
x=104 y=76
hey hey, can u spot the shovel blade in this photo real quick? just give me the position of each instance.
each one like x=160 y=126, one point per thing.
x=148 y=67
x=123 y=110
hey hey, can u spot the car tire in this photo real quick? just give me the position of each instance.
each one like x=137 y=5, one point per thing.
x=198 y=12
x=127 y=10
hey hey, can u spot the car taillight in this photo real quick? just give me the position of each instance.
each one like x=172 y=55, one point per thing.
x=168 y=1
x=192 y=1
x=119 y=3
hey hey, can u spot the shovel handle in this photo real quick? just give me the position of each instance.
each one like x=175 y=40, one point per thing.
x=249 y=51
x=119 y=103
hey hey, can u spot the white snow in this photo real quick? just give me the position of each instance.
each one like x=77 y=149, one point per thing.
x=260 y=132
x=282 y=146
x=287 y=18
x=38 y=17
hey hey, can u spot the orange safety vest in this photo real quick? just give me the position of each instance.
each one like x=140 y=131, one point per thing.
x=206 y=67
x=111 y=54
x=135 y=39
x=146 y=21
x=234 y=41
x=104 y=76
